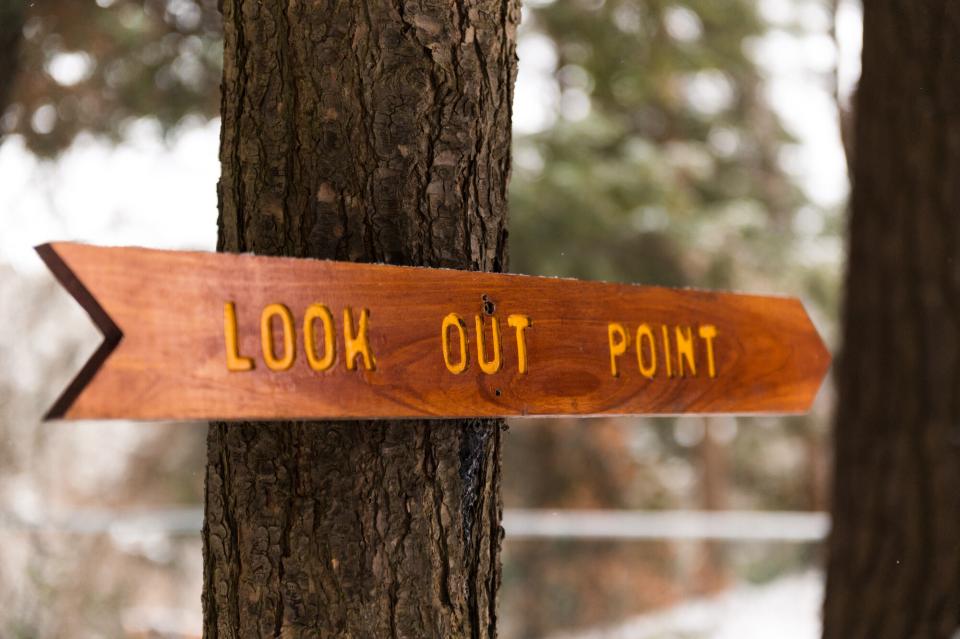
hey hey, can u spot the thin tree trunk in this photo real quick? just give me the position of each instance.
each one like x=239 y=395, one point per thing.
x=714 y=487
x=363 y=131
x=894 y=554
x=11 y=35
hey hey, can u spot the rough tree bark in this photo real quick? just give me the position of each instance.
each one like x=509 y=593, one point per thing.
x=379 y=131
x=894 y=554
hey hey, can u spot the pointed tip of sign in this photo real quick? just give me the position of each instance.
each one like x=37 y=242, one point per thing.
x=107 y=327
x=820 y=358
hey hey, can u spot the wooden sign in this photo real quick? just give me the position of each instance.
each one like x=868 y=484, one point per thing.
x=220 y=336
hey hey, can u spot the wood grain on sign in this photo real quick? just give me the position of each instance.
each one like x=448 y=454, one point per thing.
x=218 y=336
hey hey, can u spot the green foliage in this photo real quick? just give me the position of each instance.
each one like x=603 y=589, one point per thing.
x=90 y=66
x=673 y=177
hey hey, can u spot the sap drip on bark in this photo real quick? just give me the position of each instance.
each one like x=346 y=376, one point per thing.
x=473 y=440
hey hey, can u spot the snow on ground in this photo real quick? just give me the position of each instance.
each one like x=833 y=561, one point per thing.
x=786 y=608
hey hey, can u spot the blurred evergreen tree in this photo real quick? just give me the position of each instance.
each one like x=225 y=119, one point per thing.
x=92 y=66
x=662 y=166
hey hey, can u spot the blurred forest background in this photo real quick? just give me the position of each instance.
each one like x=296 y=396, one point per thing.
x=675 y=142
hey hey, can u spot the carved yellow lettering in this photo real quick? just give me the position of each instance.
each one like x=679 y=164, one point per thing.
x=520 y=322
x=273 y=362
x=666 y=349
x=707 y=333
x=357 y=343
x=235 y=361
x=617 y=346
x=647 y=369
x=454 y=321
x=493 y=365
x=313 y=313
x=685 y=350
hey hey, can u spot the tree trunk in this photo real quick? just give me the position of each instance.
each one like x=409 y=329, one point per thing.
x=11 y=34
x=365 y=131
x=894 y=554
x=714 y=479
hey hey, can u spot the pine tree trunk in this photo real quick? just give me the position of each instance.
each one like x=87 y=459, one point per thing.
x=365 y=131
x=11 y=34
x=894 y=554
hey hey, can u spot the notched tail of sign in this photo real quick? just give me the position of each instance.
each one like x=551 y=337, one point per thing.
x=111 y=332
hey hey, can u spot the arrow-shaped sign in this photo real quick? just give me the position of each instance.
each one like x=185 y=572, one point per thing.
x=218 y=336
